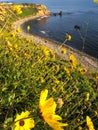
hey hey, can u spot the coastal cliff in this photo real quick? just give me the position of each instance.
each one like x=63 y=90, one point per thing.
x=42 y=10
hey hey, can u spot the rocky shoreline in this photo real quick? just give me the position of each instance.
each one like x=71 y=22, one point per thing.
x=86 y=60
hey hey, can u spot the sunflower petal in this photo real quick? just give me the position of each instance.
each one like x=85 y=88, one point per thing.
x=56 y=117
x=49 y=107
x=43 y=97
x=56 y=125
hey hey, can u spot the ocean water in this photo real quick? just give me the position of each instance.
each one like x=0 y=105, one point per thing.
x=83 y=13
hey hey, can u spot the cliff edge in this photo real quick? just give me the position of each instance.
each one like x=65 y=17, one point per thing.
x=42 y=10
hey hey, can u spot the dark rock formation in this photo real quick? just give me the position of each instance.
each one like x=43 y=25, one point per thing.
x=77 y=27
x=60 y=13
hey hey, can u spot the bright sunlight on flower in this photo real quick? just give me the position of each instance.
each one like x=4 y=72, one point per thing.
x=23 y=121
x=89 y=123
x=68 y=37
x=47 y=110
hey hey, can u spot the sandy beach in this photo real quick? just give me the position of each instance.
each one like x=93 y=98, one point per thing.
x=86 y=60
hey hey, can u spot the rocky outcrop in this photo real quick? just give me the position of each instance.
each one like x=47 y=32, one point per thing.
x=42 y=10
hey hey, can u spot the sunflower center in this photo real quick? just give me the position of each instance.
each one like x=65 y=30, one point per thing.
x=71 y=61
x=21 y=123
x=40 y=114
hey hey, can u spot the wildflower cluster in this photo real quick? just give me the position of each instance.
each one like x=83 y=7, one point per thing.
x=48 y=53
x=47 y=114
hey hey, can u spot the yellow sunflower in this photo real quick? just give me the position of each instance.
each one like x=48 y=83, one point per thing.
x=17 y=9
x=82 y=70
x=28 y=28
x=23 y=122
x=73 y=61
x=68 y=37
x=47 y=111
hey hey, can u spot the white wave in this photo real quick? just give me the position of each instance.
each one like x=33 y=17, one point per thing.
x=43 y=32
x=39 y=19
x=43 y=17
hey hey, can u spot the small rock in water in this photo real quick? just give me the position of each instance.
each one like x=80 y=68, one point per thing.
x=60 y=13
x=77 y=27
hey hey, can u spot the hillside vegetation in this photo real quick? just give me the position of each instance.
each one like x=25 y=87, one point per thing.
x=38 y=89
